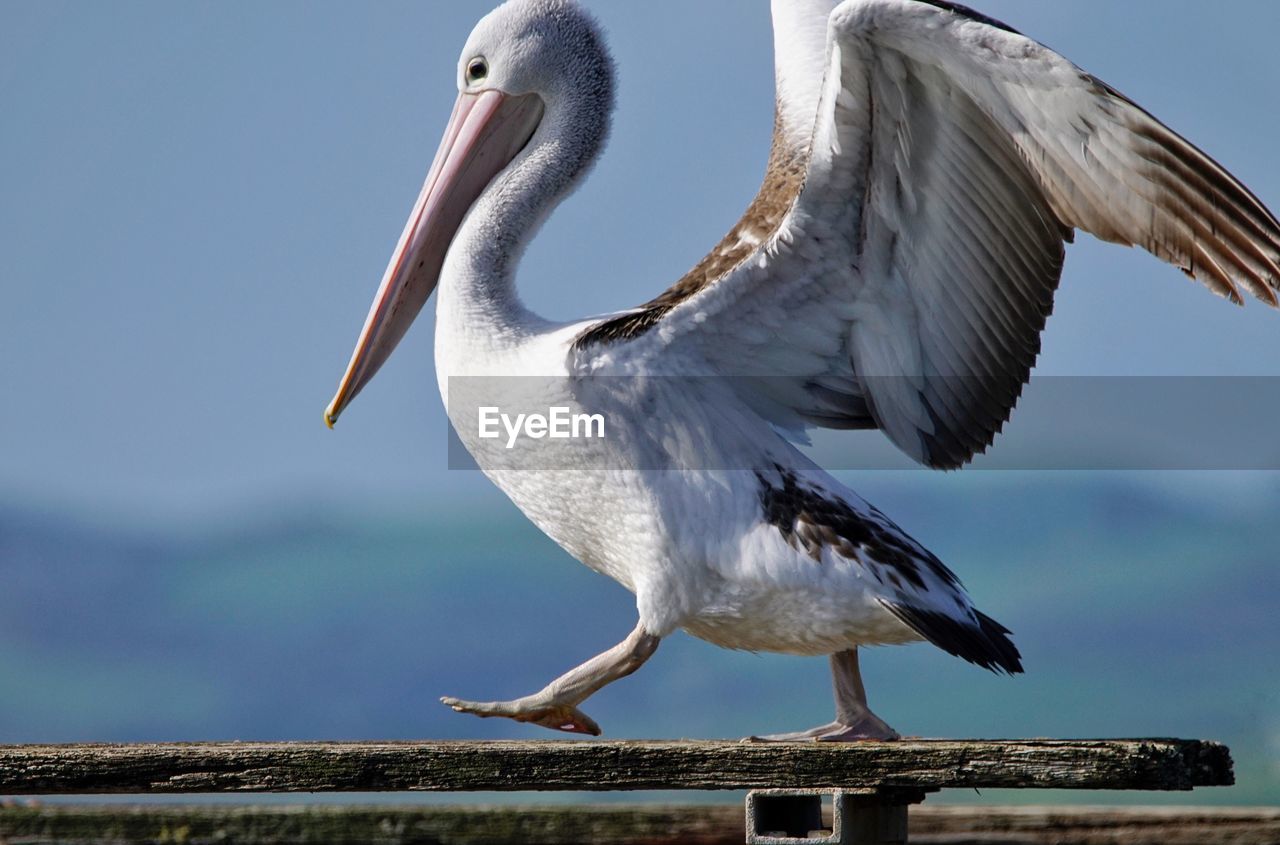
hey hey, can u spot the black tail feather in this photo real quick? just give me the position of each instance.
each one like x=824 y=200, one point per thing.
x=987 y=645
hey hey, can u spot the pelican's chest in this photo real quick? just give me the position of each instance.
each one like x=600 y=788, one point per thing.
x=528 y=427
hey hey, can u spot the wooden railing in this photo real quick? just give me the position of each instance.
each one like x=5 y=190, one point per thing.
x=715 y=824
x=1154 y=764
x=870 y=784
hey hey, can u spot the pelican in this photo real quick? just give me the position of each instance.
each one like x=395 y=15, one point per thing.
x=929 y=165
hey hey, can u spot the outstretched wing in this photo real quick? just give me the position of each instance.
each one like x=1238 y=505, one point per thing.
x=898 y=273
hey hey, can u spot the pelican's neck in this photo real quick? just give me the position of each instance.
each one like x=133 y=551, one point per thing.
x=479 y=309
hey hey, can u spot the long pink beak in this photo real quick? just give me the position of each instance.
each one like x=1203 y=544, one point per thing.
x=487 y=130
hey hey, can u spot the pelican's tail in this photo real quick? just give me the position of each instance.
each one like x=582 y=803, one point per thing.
x=980 y=639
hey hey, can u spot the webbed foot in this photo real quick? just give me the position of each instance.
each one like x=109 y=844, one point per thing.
x=559 y=716
x=870 y=728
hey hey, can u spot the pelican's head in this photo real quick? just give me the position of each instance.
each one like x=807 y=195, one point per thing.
x=551 y=48
x=533 y=75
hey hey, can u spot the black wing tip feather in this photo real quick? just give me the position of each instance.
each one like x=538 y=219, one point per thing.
x=987 y=645
x=972 y=14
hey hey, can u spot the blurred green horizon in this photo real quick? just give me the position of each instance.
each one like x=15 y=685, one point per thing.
x=1139 y=613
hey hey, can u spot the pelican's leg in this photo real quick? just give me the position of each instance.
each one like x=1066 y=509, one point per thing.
x=555 y=706
x=854 y=720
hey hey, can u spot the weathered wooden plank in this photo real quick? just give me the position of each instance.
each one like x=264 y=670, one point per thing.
x=1156 y=764
x=1096 y=825
x=195 y=825
x=609 y=825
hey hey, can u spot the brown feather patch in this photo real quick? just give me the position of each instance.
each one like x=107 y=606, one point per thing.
x=783 y=180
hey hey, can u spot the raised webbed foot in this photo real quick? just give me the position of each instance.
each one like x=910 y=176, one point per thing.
x=559 y=716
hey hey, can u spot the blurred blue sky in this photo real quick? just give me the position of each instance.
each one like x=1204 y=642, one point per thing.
x=197 y=201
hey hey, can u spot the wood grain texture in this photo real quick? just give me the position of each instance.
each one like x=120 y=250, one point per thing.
x=1153 y=764
x=392 y=825
x=719 y=824
x=1096 y=825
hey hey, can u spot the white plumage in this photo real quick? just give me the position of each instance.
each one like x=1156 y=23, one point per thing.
x=895 y=272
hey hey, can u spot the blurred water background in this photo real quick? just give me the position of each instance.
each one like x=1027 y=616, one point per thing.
x=1139 y=612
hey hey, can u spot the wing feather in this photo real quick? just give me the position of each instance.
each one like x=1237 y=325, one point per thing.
x=909 y=258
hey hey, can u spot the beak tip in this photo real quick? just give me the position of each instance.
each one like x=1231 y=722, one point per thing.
x=330 y=418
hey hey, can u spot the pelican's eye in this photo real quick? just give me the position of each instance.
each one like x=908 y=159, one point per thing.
x=477 y=70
